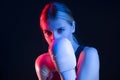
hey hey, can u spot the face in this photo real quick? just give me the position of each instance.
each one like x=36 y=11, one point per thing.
x=57 y=28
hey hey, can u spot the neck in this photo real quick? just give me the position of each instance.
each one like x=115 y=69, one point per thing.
x=75 y=45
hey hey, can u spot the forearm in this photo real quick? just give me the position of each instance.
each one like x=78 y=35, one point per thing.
x=69 y=75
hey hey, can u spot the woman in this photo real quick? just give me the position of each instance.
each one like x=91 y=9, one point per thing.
x=66 y=59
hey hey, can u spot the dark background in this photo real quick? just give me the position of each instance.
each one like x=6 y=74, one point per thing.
x=21 y=40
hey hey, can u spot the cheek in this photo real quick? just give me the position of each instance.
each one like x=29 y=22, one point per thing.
x=69 y=35
x=48 y=40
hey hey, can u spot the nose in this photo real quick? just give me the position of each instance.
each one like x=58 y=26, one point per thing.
x=55 y=36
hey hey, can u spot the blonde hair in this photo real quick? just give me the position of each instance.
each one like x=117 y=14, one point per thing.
x=56 y=10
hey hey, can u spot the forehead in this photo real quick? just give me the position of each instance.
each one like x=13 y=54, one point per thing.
x=52 y=24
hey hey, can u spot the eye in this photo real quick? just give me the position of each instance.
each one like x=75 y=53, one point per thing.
x=47 y=32
x=60 y=30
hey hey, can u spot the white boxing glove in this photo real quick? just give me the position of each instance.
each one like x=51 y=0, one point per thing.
x=64 y=57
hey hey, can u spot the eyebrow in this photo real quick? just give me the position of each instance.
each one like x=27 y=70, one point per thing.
x=46 y=30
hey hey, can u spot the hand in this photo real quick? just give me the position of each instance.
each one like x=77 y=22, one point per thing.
x=54 y=75
x=64 y=58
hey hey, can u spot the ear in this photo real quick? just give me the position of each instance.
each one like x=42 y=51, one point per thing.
x=73 y=26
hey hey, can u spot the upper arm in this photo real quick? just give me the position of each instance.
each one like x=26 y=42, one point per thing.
x=89 y=68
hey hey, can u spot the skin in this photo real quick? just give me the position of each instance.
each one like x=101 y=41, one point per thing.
x=57 y=28
x=88 y=63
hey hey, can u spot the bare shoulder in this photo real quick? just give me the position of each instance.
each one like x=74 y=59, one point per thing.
x=90 y=50
x=88 y=64
x=91 y=57
x=43 y=65
x=41 y=58
x=44 y=60
x=91 y=54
